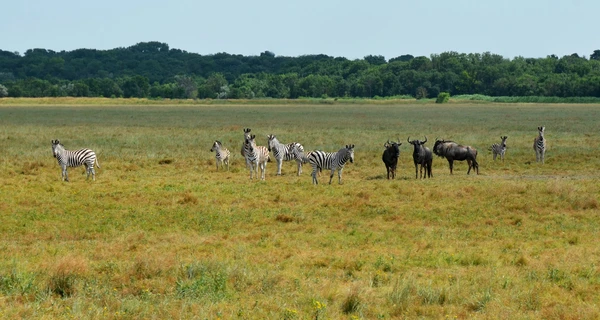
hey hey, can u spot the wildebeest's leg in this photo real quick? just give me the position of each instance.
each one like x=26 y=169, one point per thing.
x=451 y=164
x=416 y=170
x=388 y=171
x=470 y=163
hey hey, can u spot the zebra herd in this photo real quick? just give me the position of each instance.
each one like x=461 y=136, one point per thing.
x=257 y=156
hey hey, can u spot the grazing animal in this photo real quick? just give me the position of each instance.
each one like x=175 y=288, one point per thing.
x=221 y=154
x=499 y=148
x=423 y=157
x=331 y=160
x=539 y=145
x=285 y=152
x=67 y=158
x=256 y=157
x=390 y=157
x=453 y=151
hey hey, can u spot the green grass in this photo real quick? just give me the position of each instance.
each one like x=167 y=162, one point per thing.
x=162 y=234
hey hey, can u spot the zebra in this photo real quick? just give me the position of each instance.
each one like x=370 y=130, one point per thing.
x=335 y=160
x=246 y=136
x=221 y=154
x=539 y=145
x=67 y=158
x=256 y=156
x=285 y=152
x=499 y=148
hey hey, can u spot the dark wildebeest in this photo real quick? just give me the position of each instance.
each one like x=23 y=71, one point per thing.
x=421 y=156
x=390 y=157
x=453 y=151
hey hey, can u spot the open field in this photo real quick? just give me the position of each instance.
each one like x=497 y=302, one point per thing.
x=162 y=234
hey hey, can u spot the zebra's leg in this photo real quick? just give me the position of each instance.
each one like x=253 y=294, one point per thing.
x=279 y=163
x=64 y=173
x=263 y=170
x=299 y=167
x=227 y=163
x=314 y=175
x=340 y=175
x=494 y=154
x=331 y=175
x=542 y=155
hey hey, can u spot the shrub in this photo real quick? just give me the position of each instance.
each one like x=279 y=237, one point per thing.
x=443 y=97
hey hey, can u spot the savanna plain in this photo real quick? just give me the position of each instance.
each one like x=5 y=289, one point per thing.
x=162 y=234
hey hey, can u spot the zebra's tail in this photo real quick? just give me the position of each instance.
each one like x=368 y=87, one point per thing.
x=97 y=163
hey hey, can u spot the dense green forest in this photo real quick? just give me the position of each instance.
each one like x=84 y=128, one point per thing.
x=153 y=70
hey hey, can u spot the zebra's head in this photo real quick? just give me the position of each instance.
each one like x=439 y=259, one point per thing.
x=216 y=146
x=504 y=141
x=349 y=153
x=250 y=141
x=541 y=132
x=246 y=133
x=56 y=147
x=272 y=141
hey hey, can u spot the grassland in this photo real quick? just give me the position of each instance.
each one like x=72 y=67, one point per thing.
x=162 y=234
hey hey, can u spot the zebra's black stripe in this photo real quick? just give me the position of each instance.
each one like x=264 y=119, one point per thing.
x=332 y=161
x=67 y=158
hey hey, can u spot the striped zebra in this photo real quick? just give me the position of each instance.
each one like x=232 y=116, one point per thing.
x=333 y=161
x=256 y=156
x=67 y=158
x=246 y=136
x=285 y=152
x=499 y=148
x=539 y=145
x=221 y=154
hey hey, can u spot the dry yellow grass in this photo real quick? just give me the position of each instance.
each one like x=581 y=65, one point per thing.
x=162 y=234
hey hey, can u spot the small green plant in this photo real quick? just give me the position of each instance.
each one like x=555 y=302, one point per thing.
x=352 y=303
x=443 y=97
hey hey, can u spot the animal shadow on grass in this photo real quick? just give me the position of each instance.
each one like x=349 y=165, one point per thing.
x=384 y=177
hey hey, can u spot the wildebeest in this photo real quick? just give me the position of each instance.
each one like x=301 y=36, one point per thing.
x=390 y=157
x=422 y=156
x=453 y=151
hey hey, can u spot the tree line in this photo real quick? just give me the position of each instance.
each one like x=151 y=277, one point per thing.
x=153 y=70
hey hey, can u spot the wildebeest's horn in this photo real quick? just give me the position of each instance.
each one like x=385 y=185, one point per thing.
x=425 y=139
x=408 y=139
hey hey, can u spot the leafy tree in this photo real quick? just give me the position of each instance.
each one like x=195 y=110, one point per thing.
x=595 y=55
x=3 y=91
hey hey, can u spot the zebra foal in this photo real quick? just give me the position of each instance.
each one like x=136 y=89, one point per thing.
x=539 y=145
x=221 y=154
x=499 y=149
x=332 y=161
x=67 y=158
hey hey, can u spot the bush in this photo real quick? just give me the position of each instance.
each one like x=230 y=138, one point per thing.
x=443 y=97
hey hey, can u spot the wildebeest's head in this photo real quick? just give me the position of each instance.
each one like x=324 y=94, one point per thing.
x=417 y=143
x=441 y=146
x=393 y=148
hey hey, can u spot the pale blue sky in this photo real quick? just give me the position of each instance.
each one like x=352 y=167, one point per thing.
x=350 y=28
